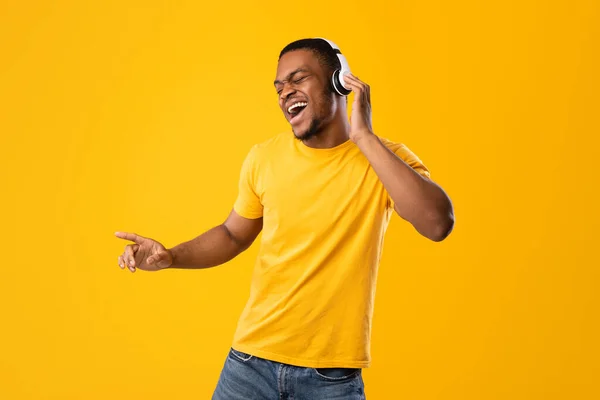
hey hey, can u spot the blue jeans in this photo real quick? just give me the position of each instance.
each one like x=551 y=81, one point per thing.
x=247 y=377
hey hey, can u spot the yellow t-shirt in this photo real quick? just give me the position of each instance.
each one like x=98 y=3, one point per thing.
x=325 y=213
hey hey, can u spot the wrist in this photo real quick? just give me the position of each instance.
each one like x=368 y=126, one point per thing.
x=172 y=254
x=364 y=138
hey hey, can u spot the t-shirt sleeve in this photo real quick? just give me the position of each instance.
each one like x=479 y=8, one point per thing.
x=412 y=160
x=248 y=203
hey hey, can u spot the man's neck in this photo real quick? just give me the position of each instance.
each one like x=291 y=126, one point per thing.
x=336 y=133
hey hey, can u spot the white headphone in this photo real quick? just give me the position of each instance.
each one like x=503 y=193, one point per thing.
x=337 y=79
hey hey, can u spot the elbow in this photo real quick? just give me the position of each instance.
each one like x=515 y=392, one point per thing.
x=239 y=245
x=441 y=227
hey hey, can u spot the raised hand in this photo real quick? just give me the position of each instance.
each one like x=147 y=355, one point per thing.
x=360 y=120
x=145 y=253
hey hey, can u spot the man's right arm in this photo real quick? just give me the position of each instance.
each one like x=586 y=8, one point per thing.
x=217 y=245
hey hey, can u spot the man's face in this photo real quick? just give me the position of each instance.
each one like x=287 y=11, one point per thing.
x=303 y=91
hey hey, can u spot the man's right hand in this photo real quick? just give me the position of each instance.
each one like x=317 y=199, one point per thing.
x=145 y=253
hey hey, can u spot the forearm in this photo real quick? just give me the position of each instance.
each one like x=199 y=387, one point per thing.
x=214 y=247
x=417 y=199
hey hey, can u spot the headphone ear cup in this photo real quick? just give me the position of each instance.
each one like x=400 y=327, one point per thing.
x=337 y=84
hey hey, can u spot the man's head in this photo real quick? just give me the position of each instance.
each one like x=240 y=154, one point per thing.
x=304 y=88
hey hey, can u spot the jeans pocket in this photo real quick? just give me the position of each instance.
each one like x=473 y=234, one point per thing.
x=240 y=355
x=336 y=374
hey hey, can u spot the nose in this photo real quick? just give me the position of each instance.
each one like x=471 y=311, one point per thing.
x=286 y=91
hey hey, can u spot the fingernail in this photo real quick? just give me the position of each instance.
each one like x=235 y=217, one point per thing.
x=131 y=262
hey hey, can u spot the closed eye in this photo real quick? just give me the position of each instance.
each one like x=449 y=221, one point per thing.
x=295 y=82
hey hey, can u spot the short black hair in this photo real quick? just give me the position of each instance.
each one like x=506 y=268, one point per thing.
x=320 y=48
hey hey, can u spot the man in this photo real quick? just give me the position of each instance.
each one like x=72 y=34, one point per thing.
x=323 y=198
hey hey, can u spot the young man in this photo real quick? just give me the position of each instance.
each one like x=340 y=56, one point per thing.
x=323 y=197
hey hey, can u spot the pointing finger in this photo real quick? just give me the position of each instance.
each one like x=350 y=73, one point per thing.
x=130 y=236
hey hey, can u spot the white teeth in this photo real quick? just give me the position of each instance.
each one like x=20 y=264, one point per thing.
x=298 y=104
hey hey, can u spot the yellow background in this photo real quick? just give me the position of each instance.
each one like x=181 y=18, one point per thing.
x=136 y=116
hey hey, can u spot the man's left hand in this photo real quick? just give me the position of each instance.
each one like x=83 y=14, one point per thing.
x=360 y=120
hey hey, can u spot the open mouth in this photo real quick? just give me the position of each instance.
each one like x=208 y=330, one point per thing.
x=296 y=109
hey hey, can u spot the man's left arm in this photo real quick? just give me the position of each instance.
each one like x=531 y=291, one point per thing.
x=416 y=198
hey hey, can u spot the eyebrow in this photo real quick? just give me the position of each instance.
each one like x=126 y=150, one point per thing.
x=290 y=75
